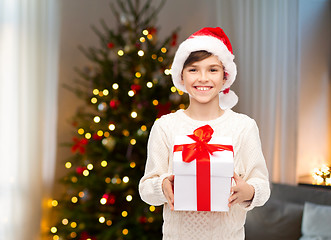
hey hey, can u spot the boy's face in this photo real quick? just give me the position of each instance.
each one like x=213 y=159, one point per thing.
x=204 y=79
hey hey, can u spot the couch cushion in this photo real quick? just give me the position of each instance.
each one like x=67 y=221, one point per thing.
x=316 y=222
x=275 y=220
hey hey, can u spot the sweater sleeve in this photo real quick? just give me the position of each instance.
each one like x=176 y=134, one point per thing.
x=157 y=167
x=256 y=173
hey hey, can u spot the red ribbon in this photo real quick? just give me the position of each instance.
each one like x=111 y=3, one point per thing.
x=201 y=150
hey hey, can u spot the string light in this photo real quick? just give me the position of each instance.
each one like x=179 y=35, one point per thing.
x=94 y=100
x=65 y=221
x=80 y=131
x=104 y=163
x=133 y=141
x=154 y=56
x=74 y=179
x=111 y=127
x=138 y=74
x=152 y=208
x=56 y=237
x=143 y=127
x=145 y=32
x=73 y=224
x=54 y=203
x=131 y=93
x=86 y=172
x=129 y=198
x=102 y=219
x=109 y=222
x=107 y=180
x=81 y=194
x=73 y=234
x=142 y=39
x=95 y=91
x=74 y=199
x=173 y=89
x=100 y=133
x=322 y=176
x=134 y=114
x=88 y=135
x=120 y=53
x=132 y=164
x=149 y=84
x=182 y=106
x=89 y=166
x=103 y=201
x=160 y=59
x=125 y=132
x=125 y=231
x=96 y=119
x=124 y=214
x=149 y=36
x=155 y=102
x=126 y=179
x=167 y=71
x=115 y=86
x=141 y=53
x=163 y=50
x=105 y=92
x=68 y=165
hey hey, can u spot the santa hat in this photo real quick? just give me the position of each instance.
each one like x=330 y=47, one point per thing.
x=215 y=41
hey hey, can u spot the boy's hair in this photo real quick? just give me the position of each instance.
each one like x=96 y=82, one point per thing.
x=199 y=56
x=196 y=57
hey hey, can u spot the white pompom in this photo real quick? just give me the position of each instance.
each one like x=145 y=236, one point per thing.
x=228 y=100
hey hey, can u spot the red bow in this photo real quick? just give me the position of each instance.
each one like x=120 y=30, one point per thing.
x=200 y=151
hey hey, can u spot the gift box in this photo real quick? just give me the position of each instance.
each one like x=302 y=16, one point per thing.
x=203 y=169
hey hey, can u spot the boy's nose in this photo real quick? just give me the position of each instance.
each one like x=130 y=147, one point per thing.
x=203 y=77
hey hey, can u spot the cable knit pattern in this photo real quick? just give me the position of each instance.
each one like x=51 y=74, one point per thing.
x=249 y=163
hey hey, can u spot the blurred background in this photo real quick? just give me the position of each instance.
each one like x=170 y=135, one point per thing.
x=282 y=51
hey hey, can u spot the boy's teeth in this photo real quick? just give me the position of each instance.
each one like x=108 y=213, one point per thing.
x=203 y=88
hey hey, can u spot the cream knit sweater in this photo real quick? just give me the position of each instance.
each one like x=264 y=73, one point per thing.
x=249 y=163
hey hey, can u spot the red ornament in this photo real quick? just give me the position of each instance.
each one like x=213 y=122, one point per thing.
x=163 y=109
x=110 y=198
x=143 y=219
x=174 y=38
x=79 y=145
x=136 y=88
x=110 y=45
x=85 y=236
x=96 y=137
x=114 y=103
x=80 y=170
x=152 y=30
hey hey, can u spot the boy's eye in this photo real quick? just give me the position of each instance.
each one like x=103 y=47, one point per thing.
x=213 y=69
x=192 y=70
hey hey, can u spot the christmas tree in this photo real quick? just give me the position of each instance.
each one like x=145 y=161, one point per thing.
x=126 y=87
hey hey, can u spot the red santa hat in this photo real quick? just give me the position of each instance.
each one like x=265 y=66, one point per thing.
x=215 y=41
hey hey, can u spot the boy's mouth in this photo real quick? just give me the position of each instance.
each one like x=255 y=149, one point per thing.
x=202 y=88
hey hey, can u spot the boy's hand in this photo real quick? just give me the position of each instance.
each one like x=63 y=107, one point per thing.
x=241 y=192
x=168 y=190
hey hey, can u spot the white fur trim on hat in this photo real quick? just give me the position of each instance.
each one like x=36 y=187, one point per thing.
x=215 y=46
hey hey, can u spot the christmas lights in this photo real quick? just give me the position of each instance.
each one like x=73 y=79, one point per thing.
x=322 y=176
x=115 y=86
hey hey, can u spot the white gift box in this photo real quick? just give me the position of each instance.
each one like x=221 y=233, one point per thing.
x=221 y=173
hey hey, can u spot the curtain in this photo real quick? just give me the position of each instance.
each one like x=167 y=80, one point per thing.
x=28 y=113
x=264 y=35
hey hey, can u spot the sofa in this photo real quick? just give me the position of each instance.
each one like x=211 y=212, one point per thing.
x=292 y=213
